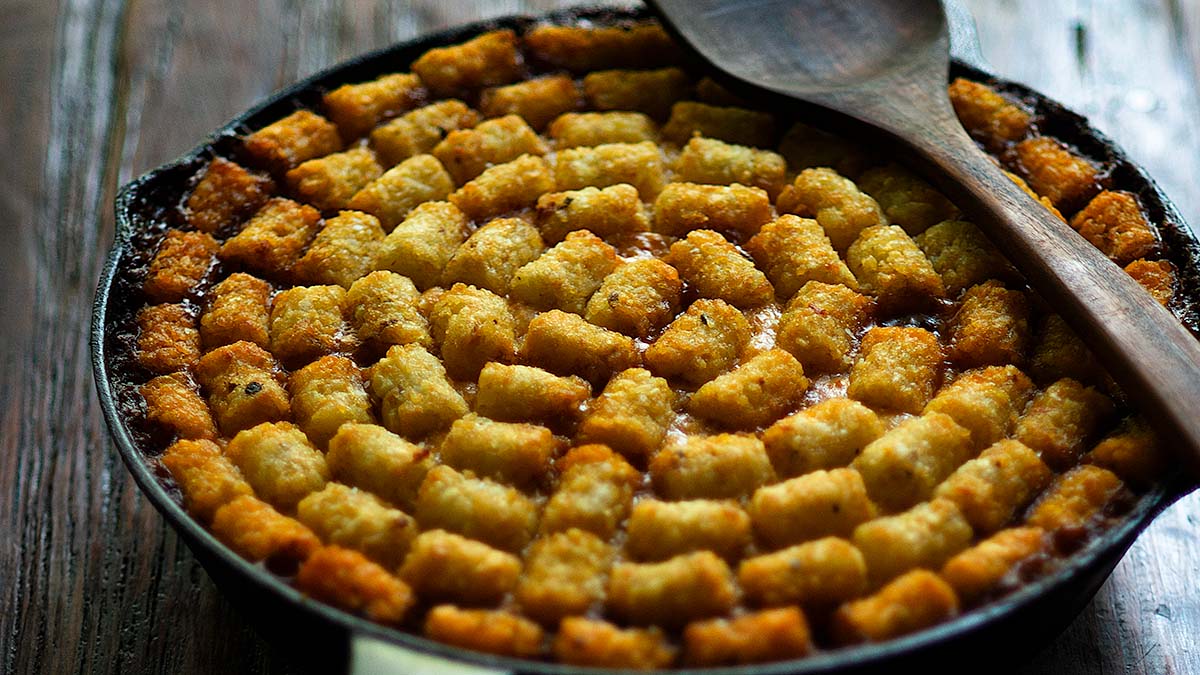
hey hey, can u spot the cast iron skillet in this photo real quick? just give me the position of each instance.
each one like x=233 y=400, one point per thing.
x=1004 y=632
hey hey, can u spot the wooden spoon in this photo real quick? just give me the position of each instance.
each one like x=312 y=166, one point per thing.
x=883 y=66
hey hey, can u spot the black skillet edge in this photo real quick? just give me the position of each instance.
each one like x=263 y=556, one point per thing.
x=1006 y=630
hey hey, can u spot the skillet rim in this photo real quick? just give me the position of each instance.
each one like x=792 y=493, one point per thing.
x=140 y=194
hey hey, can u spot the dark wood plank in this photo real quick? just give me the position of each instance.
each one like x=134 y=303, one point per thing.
x=93 y=580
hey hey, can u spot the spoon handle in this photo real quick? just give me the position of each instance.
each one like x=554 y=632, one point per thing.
x=1145 y=348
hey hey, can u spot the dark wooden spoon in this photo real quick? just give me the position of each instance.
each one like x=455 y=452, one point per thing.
x=884 y=65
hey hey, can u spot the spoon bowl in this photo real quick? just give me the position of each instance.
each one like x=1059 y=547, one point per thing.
x=846 y=44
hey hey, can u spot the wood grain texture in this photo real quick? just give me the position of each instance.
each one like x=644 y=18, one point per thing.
x=97 y=91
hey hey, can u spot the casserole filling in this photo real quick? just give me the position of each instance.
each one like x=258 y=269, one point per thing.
x=552 y=349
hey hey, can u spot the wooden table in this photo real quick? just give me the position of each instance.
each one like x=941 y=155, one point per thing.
x=98 y=91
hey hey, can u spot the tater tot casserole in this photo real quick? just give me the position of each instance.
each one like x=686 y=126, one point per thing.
x=551 y=348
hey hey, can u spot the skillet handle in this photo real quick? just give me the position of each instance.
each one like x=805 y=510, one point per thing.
x=371 y=656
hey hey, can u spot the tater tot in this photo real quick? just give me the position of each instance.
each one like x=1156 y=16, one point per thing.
x=485 y=630
x=1055 y=171
x=173 y=403
x=1114 y=223
x=517 y=454
x=711 y=467
x=914 y=601
x=604 y=212
x=279 y=463
x=834 y=202
x=898 y=369
x=821 y=572
x=306 y=323
x=591 y=642
x=691 y=586
x=207 y=479
x=490 y=59
x=980 y=568
x=473 y=327
x=343 y=250
x=167 y=338
x=1059 y=353
x=1075 y=498
x=374 y=459
x=274 y=237
x=986 y=402
x=1133 y=452
x=182 y=261
x=992 y=487
x=652 y=92
x=827 y=435
x=326 y=394
x=1156 y=276
x=598 y=128
x=225 y=195
x=991 y=327
x=1041 y=199
x=659 y=530
x=811 y=506
x=586 y=48
x=770 y=635
x=421 y=245
x=794 y=251
x=926 y=535
x=631 y=415
x=729 y=124
x=962 y=256
x=466 y=153
x=707 y=160
x=806 y=147
x=329 y=182
x=638 y=164
x=755 y=394
x=701 y=343
x=243 y=386
x=637 y=298
x=595 y=492
x=888 y=265
x=477 y=508
x=987 y=115
x=903 y=466
x=566 y=344
x=565 y=574
x=238 y=309
x=492 y=255
x=382 y=309
x=415 y=398
x=358 y=520
x=736 y=209
x=445 y=566
x=347 y=579
x=402 y=188
x=1061 y=420
x=355 y=108
x=905 y=199
x=259 y=533
x=820 y=325
x=520 y=393
x=715 y=268
x=538 y=101
x=417 y=131
x=565 y=276
x=505 y=187
x=301 y=136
